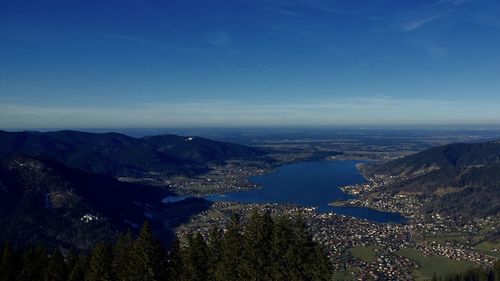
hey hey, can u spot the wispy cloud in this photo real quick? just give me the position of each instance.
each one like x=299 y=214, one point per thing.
x=130 y=38
x=416 y=24
x=218 y=38
x=300 y=8
x=453 y=2
x=282 y=11
x=332 y=11
x=149 y=43
x=433 y=11
x=347 y=111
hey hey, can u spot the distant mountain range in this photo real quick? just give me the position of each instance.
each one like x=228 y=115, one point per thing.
x=462 y=179
x=61 y=188
x=123 y=156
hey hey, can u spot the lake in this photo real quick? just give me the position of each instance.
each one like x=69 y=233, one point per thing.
x=309 y=184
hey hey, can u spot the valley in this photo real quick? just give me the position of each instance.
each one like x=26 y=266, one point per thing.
x=458 y=242
x=361 y=229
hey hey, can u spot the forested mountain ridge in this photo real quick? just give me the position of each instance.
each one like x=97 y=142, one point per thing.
x=61 y=188
x=462 y=179
x=123 y=156
x=457 y=155
x=44 y=202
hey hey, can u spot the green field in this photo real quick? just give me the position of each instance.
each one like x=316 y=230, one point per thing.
x=366 y=254
x=477 y=241
x=434 y=264
x=346 y=275
x=489 y=248
x=462 y=238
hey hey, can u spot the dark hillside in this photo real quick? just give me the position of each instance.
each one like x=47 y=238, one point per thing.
x=200 y=149
x=461 y=179
x=43 y=201
x=118 y=155
x=460 y=155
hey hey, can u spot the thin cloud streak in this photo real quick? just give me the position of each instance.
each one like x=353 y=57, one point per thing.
x=360 y=111
x=149 y=43
x=299 y=8
x=282 y=11
x=453 y=2
x=416 y=24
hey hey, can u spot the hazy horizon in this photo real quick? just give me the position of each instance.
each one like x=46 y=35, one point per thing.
x=274 y=129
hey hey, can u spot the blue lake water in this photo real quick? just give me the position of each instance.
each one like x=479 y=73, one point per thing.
x=309 y=184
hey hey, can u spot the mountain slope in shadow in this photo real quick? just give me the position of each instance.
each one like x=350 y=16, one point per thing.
x=119 y=155
x=42 y=201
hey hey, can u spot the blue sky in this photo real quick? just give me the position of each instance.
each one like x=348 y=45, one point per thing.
x=186 y=63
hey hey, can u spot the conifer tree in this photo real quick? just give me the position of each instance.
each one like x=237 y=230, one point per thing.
x=196 y=259
x=71 y=260
x=7 y=264
x=99 y=267
x=321 y=264
x=148 y=262
x=56 y=267
x=260 y=250
x=79 y=269
x=175 y=266
x=280 y=244
x=301 y=252
x=34 y=264
x=122 y=257
x=229 y=267
x=214 y=252
x=257 y=247
x=496 y=271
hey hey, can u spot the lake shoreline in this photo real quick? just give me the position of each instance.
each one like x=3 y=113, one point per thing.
x=314 y=184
